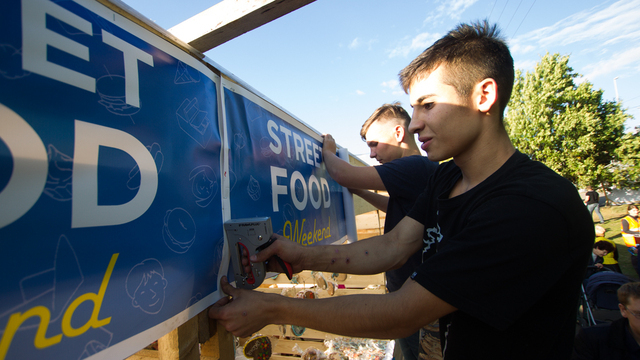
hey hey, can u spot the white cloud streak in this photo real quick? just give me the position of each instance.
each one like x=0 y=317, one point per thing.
x=607 y=35
x=418 y=43
x=605 y=26
x=449 y=9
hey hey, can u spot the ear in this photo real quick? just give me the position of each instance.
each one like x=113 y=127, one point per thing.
x=623 y=311
x=486 y=94
x=398 y=133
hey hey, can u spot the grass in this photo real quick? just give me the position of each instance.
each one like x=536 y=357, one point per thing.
x=612 y=216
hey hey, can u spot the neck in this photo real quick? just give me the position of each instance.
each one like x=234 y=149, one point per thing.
x=409 y=149
x=636 y=337
x=488 y=153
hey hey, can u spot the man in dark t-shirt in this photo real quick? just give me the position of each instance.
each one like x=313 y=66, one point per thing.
x=488 y=212
x=592 y=199
x=403 y=173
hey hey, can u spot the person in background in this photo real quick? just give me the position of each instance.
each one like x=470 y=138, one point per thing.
x=403 y=173
x=610 y=261
x=482 y=212
x=617 y=340
x=600 y=250
x=592 y=199
x=630 y=229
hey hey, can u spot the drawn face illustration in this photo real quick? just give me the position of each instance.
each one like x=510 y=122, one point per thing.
x=202 y=186
x=149 y=296
x=146 y=285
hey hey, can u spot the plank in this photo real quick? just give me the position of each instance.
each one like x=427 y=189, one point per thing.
x=229 y=19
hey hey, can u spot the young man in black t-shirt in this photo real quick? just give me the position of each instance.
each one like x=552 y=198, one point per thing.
x=403 y=173
x=487 y=212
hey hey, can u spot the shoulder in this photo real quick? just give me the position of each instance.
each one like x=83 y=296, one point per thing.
x=407 y=168
x=534 y=179
x=410 y=161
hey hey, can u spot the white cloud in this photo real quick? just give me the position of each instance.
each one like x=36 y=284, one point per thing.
x=358 y=43
x=598 y=26
x=354 y=44
x=419 y=43
x=625 y=60
x=359 y=92
x=394 y=86
x=526 y=65
x=449 y=9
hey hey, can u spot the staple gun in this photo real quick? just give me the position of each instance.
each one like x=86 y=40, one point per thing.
x=251 y=236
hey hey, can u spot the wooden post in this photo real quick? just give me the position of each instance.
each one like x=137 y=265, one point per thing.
x=181 y=343
x=220 y=346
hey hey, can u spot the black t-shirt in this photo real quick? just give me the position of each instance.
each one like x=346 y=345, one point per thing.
x=405 y=179
x=594 y=198
x=511 y=255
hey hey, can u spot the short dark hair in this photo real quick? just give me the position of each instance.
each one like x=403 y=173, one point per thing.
x=604 y=245
x=387 y=112
x=628 y=290
x=471 y=53
x=631 y=206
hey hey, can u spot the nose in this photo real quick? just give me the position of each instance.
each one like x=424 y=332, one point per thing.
x=415 y=126
x=372 y=153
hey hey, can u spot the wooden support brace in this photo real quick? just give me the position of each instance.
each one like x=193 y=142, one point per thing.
x=229 y=19
x=220 y=346
x=181 y=343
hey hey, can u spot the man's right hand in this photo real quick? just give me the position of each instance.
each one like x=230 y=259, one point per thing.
x=282 y=247
x=328 y=144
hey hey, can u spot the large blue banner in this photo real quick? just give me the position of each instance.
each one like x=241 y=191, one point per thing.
x=110 y=188
x=276 y=170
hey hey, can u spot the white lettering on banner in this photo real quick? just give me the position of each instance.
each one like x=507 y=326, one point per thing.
x=299 y=204
x=305 y=150
x=271 y=127
x=297 y=143
x=276 y=189
x=287 y=136
x=85 y=209
x=131 y=56
x=36 y=37
x=30 y=166
x=320 y=187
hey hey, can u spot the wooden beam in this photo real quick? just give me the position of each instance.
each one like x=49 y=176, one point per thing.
x=181 y=343
x=229 y=19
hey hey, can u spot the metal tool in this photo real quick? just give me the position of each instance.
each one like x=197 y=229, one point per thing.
x=247 y=237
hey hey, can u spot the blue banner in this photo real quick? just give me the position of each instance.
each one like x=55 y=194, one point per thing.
x=110 y=188
x=276 y=170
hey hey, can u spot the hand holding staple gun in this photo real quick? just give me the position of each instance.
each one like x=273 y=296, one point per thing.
x=246 y=238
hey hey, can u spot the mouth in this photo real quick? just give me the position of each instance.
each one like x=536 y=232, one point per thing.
x=426 y=141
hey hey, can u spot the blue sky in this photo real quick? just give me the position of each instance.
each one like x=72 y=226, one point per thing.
x=333 y=62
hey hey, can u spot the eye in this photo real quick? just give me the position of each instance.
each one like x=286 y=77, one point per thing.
x=429 y=105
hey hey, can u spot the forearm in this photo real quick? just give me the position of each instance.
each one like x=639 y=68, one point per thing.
x=365 y=316
x=368 y=256
x=379 y=201
x=336 y=167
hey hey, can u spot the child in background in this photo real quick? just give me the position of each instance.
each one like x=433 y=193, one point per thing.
x=610 y=261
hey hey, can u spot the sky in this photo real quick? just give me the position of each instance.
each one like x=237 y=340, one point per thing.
x=333 y=62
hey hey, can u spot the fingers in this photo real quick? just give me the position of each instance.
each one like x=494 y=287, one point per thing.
x=268 y=252
x=226 y=287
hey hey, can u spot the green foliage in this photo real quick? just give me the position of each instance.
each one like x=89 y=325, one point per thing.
x=565 y=125
x=626 y=169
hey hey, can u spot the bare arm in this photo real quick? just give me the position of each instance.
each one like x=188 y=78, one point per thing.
x=379 y=201
x=345 y=174
x=365 y=316
x=369 y=256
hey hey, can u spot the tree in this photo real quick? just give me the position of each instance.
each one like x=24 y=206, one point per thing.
x=565 y=125
x=626 y=169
